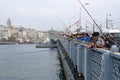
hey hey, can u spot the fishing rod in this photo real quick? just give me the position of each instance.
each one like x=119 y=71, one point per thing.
x=61 y=22
x=96 y=23
x=90 y=15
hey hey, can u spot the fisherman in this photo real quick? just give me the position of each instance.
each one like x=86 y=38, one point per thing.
x=86 y=37
x=111 y=43
x=80 y=36
x=96 y=41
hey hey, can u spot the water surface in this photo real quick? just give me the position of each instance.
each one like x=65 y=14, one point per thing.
x=25 y=62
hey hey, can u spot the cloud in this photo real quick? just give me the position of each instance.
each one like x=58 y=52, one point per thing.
x=43 y=12
x=46 y=8
x=31 y=11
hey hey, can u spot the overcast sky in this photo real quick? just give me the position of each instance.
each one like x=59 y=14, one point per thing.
x=44 y=14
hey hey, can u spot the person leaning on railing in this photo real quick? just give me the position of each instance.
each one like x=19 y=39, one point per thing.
x=72 y=36
x=84 y=37
x=110 y=41
x=80 y=37
x=96 y=41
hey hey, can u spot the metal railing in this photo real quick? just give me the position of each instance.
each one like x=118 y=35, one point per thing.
x=94 y=63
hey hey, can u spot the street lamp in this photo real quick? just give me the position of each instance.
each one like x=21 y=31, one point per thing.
x=80 y=14
x=87 y=22
x=107 y=15
x=111 y=24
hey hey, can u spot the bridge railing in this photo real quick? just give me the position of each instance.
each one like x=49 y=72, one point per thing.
x=115 y=66
x=94 y=63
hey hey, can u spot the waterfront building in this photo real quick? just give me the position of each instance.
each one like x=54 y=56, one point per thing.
x=42 y=37
x=1 y=31
x=21 y=34
x=6 y=33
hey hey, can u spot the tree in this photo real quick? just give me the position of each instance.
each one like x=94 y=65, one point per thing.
x=3 y=39
x=11 y=39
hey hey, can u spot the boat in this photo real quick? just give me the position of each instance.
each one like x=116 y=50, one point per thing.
x=7 y=43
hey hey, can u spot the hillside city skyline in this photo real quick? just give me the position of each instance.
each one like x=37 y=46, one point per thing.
x=11 y=33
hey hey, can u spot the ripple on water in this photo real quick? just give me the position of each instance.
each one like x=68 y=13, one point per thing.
x=33 y=65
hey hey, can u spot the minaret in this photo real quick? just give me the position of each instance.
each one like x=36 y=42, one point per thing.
x=9 y=23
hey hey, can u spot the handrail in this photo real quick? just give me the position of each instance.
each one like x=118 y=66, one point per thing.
x=73 y=40
x=94 y=62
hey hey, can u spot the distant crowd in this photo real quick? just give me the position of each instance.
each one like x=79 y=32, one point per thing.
x=105 y=41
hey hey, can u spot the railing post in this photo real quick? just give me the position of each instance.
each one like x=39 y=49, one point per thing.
x=72 y=52
x=100 y=65
x=75 y=53
x=115 y=66
x=85 y=63
x=79 y=60
x=70 y=49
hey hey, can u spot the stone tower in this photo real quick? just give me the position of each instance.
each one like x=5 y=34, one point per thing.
x=9 y=23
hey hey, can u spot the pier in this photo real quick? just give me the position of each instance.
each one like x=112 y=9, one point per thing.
x=6 y=43
x=44 y=45
x=81 y=63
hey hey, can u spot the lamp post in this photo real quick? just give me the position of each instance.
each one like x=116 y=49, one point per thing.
x=87 y=22
x=107 y=21
x=111 y=24
x=80 y=14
